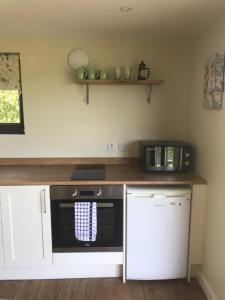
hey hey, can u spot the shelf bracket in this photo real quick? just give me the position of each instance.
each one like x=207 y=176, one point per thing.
x=149 y=92
x=87 y=94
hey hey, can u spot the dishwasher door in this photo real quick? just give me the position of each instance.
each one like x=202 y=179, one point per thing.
x=157 y=233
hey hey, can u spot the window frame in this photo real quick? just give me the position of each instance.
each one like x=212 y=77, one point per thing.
x=15 y=128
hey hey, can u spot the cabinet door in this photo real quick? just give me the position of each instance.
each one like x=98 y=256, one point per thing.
x=26 y=226
x=1 y=239
x=1 y=255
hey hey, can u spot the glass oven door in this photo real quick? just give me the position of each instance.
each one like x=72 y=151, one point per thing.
x=109 y=226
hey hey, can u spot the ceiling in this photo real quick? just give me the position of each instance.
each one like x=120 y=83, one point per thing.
x=162 y=18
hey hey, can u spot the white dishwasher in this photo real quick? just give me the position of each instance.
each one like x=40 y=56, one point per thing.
x=157 y=232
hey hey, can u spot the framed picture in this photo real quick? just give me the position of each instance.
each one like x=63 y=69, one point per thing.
x=214 y=81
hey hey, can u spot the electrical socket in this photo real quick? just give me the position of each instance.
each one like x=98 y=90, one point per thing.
x=112 y=147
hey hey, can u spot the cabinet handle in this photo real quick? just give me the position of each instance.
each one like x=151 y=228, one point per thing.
x=43 y=202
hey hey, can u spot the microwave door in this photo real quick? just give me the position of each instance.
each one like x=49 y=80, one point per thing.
x=172 y=158
x=154 y=157
x=158 y=155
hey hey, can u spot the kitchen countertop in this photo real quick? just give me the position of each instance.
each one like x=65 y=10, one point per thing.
x=115 y=174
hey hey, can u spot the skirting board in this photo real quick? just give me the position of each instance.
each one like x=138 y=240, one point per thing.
x=206 y=287
x=98 y=271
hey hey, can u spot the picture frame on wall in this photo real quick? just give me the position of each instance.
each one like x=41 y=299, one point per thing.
x=214 y=81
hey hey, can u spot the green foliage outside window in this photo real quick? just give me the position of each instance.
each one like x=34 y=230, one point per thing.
x=9 y=106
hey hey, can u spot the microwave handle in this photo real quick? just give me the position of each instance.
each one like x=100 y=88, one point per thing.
x=181 y=159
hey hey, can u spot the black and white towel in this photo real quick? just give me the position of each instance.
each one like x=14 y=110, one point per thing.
x=85 y=221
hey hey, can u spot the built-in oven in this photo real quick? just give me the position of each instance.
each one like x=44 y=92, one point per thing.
x=109 y=211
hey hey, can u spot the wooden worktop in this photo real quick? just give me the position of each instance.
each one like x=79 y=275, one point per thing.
x=115 y=174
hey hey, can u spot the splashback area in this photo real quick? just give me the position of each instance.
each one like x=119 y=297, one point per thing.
x=58 y=123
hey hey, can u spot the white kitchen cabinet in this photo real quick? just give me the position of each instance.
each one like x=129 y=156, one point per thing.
x=197 y=223
x=26 y=225
x=1 y=241
x=1 y=235
x=1 y=255
x=0 y=211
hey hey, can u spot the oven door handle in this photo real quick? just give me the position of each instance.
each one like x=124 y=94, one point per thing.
x=99 y=205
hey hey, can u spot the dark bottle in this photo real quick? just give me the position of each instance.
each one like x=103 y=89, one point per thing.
x=143 y=71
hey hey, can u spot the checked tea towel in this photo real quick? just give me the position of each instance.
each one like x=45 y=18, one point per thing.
x=85 y=214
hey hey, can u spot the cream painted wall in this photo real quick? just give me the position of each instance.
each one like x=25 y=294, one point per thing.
x=59 y=123
x=206 y=129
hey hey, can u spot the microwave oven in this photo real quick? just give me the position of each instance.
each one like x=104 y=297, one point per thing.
x=169 y=156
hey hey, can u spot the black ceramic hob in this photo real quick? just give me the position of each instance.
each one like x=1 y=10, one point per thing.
x=89 y=172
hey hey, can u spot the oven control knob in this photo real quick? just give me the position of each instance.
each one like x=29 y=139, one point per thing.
x=75 y=193
x=99 y=193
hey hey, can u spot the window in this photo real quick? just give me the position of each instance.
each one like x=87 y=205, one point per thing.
x=11 y=105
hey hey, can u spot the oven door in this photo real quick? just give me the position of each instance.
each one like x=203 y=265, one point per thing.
x=109 y=226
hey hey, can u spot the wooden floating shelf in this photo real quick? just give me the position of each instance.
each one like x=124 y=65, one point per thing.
x=147 y=83
x=119 y=82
